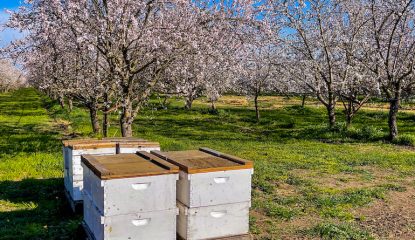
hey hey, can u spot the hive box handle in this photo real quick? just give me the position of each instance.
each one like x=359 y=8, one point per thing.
x=140 y=186
x=220 y=180
x=218 y=214
x=140 y=222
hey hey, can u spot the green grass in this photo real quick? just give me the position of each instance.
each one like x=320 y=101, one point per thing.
x=32 y=204
x=303 y=170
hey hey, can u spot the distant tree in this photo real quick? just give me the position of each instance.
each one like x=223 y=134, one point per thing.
x=388 y=51
x=11 y=78
x=312 y=38
x=258 y=72
x=103 y=52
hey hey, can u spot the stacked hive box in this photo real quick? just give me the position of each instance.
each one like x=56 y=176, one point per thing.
x=73 y=174
x=132 y=145
x=129 y=196
x=73 y=149
x=213 y=193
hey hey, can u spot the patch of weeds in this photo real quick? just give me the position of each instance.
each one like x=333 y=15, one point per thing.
x=366 y=133
x=264 y=186
x=253 y=227
x=340 y=232
x=405 y=140
x=294 y=180
x=289 y=124
x=393 y=187
x=290 y=200
x=340 y=212
x=276 y=210
x=354 y=197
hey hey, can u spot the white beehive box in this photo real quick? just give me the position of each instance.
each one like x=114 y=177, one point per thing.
x=213 y=193
x=133 y=145
x=115 y=183
x=140 y=226
x=209 y=178
x=130 y=196
x=73 y=173
x=214 y=221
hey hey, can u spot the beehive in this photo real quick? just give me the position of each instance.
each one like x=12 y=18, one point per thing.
x=213 y=193
x=73 y=149
x=130 y=196
x=73 y=173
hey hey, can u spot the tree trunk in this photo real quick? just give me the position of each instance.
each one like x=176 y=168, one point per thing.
x=392 y=121
x=331 y=110
x=349 y=113
x=164 y=104
x=189 y=103
x=213 y=105
x=93 y=113
x=331 y=107
x=61 y=101
x=349 y=118
x=105 y=117
x=70 y=104
x=126 y=119
x=303 y=102
x=256 y=108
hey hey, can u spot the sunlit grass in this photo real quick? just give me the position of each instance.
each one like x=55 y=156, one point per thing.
x=303 y=170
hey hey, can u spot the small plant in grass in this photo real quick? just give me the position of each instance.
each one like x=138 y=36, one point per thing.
x=371 y=133
x=278 y=211
x=406 y=140
x=366 y=133
x=340 y=232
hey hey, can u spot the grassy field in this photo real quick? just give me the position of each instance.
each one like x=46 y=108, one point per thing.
x=309 y=182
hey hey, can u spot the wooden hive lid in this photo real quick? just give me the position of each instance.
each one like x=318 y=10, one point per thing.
x=133 y=142
x=88 y=144
x=124 y=139
x=128 y=165
x=204 y=160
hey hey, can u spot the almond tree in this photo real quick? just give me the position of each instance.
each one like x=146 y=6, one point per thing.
x=140 y=39
x=56 y=60
x=258 y=74
x=124 y=46
x=313 y=43
x=358 y=85
x=11 y=78
x=389 y=51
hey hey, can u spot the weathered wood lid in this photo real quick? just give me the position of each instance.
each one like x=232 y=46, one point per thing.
x=204 y=160
x=88 y=144
x=132 y=142
x=124 y=139
x=128 y=165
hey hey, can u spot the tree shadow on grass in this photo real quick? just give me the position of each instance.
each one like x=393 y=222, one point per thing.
x=43 y=211
x=27 y=138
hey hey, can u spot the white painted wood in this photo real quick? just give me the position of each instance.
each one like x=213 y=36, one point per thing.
x=95 y=151
x=123 y=196
x=136 y=149
x=213 y=221
x=214 y=188
x=141 y=226
x=75 y=190
x=73 y=169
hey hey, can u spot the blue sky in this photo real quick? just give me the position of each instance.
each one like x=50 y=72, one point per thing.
x=8 y=35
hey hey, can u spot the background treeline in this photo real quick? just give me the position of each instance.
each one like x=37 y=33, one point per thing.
x=112 y=56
